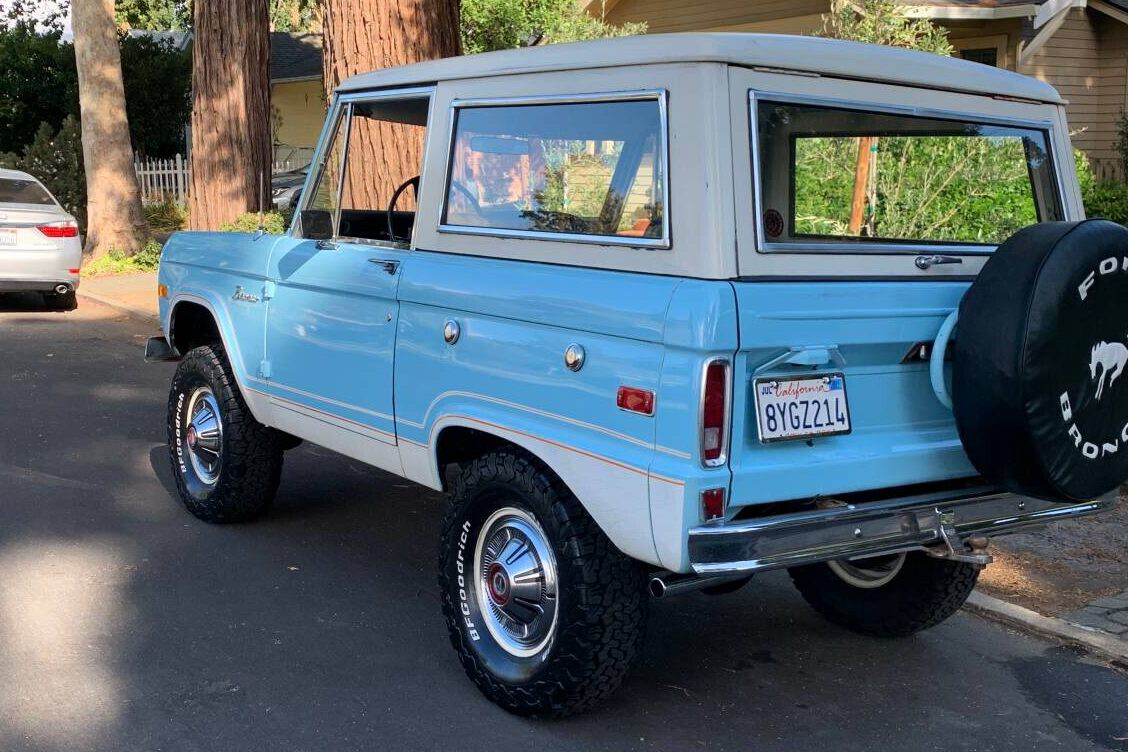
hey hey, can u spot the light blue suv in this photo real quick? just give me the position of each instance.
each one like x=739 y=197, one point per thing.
x=660 y=313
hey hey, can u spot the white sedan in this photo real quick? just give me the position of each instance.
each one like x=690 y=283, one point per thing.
x=40 y=249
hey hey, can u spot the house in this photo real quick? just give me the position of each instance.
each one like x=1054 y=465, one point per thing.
x=297 y=96
x=1078 y=46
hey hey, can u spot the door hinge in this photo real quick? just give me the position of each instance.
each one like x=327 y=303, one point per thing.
x=264 y=369
x=268 y=290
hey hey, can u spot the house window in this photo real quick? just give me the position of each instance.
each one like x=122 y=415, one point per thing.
x=984 y=55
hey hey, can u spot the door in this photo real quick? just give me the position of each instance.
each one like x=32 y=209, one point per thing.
x=331 y=328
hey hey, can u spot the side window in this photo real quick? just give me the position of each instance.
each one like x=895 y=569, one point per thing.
x=369 y=178
x=576 y=168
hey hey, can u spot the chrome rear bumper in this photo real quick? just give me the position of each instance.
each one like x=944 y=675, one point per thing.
x=922 y=522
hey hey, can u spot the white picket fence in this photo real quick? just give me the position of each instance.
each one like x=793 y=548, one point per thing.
x=168 y=180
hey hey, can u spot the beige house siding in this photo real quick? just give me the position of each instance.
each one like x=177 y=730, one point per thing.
x=299 y=108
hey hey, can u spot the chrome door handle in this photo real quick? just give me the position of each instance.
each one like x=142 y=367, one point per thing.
x=386 y=264
x=927 y=262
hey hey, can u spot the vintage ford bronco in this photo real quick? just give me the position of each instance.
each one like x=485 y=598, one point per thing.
x=660 y=313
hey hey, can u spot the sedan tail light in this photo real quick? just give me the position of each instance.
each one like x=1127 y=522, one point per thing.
x=714 y=413
x=67 y=229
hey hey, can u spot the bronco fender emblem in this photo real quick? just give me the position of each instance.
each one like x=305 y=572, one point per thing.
x=243 y=295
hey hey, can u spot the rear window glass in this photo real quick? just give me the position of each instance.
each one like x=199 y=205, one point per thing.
x=23 y=191
x=585 y=168
x=847 y=177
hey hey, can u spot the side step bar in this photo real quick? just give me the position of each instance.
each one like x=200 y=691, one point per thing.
x=944 y=525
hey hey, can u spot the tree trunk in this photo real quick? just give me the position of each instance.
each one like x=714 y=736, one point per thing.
x=231 y=149
x=114 y=220
x=363 y=35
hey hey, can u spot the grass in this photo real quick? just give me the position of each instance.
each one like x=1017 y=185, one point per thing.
x=166 y=218
x=116 y=262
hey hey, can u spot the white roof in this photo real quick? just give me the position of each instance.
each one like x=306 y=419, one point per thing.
x=808 y=54
x=16 y=175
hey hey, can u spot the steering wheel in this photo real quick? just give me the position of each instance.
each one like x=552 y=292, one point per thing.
x=458 y=186
x=410 y=182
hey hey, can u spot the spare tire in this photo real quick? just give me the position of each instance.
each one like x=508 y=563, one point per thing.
x=1038 y=389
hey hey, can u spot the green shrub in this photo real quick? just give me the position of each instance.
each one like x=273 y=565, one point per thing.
x=166 y=217
x=273 y=222
x=116 y=262
x=1107 y=199
x=56 y=160
x=506 y=24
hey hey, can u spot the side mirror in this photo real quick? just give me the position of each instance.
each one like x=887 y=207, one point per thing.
x=317 y=224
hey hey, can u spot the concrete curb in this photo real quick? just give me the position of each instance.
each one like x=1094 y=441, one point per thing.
x=133 y=311
x=1108 y=646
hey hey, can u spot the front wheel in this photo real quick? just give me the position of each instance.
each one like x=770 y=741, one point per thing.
x=887 y=596
x=545 y=613
x=227 y=464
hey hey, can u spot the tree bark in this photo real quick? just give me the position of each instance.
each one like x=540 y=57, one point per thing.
x=364 y=35
x=231 y=148
x=114 y=220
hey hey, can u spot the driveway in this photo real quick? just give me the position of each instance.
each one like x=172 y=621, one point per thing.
x=126 y=624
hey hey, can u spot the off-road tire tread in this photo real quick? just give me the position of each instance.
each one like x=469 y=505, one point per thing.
x=252 y=455
x=924 y=593
x=598 y=641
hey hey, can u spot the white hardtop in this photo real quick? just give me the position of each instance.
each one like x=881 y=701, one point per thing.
x=16 y=175
x=830 y=57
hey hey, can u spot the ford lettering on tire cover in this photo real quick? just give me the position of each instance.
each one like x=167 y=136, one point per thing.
x=1039 y=391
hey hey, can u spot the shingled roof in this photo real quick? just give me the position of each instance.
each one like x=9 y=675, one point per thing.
x=294 y=56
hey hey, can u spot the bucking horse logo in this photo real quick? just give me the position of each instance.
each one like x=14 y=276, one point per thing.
x=1110 y=358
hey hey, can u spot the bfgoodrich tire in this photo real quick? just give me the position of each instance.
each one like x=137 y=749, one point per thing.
x=226 y=463
x=546 y=615
x=892 y=596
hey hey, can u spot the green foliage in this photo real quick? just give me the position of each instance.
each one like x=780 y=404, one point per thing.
x=273 y=222
x=158 y=99
x=293 y=15
x=154 y=15
x=507 y=24
x=55 y=158
x=38 y=84
x=45 y=15
x=883 y=22
x=115 y=262
x=1122 y=140
x=166 y=218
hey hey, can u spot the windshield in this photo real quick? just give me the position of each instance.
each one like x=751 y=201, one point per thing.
x=23 y=191
x=843 y=177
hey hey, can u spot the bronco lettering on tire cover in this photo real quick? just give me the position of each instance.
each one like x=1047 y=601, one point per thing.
x=1038 y=388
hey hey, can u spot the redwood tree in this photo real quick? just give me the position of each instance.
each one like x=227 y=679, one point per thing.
x=363 y=35
x=113 y=201
x=231 y=150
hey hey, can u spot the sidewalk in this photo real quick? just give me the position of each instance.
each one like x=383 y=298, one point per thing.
x=135 y=294
x=1068 y=581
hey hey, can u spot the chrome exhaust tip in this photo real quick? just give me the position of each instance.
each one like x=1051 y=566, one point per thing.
x=666 y=584
x=61 y=289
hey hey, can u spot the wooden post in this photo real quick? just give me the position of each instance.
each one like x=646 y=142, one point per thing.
x=861 y=183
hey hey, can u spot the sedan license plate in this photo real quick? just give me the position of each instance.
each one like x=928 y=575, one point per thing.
x=799 y=408
x=7 y=237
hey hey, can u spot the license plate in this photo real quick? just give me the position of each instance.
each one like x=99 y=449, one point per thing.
x=801 y=408
x=7 y=237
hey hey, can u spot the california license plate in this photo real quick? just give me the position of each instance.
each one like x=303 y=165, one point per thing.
x=7 y=237
x=801 y=408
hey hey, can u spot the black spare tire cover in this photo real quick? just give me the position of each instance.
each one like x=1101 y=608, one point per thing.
x=1038 y=389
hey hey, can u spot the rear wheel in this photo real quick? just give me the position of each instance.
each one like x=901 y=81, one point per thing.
x=545 y=613
x=227 y=464
x=886 y=596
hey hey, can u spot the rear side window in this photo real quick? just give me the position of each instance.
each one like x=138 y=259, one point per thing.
x=23 y=191
x=585 y=170
x=850 y=179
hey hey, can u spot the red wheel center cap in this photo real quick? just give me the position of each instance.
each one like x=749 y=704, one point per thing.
x=191 y=437
x=498 y=583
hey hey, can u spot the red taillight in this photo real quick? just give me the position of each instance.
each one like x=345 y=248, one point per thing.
x=713 y=504
x=59 y=230
x=714 y=412
x=635 y=400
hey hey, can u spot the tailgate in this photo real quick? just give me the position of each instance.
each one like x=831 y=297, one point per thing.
x=900 y=433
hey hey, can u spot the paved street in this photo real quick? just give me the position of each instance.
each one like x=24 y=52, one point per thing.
x=125 y=624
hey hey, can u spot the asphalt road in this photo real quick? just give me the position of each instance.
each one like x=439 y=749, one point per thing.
x=126 y=624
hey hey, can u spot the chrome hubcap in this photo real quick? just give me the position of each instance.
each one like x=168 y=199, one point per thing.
x=517 y=585
x=868 y=573
x=204 y=437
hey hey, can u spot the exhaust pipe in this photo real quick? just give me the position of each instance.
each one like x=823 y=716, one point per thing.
x=667 y=584
x=62 y=289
